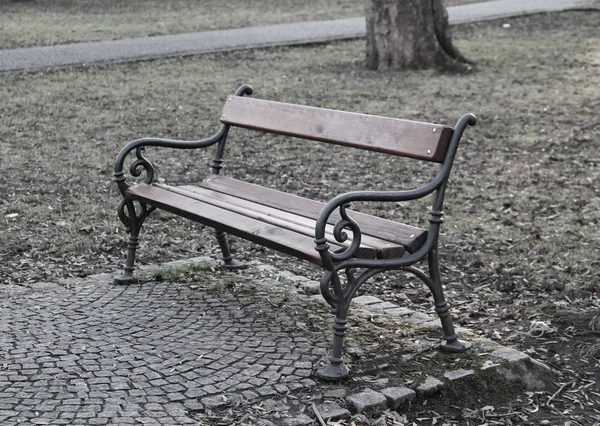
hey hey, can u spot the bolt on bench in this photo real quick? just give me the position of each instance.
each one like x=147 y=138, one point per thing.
x=351 y=246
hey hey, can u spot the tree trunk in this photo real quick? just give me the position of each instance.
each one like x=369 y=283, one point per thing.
x=410 y=34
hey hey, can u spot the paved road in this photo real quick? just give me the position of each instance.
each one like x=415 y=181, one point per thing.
x=144 y=48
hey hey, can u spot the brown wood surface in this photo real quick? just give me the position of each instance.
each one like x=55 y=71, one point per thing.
x=390 y=135
x=397 y=233
x=253 y=230
x=283 y=219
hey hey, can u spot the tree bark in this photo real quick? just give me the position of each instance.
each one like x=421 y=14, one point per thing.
x=410 y=34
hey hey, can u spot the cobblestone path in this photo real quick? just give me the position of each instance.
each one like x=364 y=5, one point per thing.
x=155 y=353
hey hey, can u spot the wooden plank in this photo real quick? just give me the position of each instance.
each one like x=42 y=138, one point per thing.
x=265 y=234
x=293 y=222
x=398 y=233
x=413 y=139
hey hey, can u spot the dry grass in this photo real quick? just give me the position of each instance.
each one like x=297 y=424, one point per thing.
x=47 y=22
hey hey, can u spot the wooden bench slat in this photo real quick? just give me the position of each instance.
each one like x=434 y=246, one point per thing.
x=407 y=138
x=408 y=236
x=262 y=233
x=293 y=222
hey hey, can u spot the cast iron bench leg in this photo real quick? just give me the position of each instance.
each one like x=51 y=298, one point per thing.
x=336 y=369
x=133 y=222
x=340 y=304
x=453 y=344
x=230 y=262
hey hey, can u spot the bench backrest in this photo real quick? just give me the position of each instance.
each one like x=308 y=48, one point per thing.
x=406 y=138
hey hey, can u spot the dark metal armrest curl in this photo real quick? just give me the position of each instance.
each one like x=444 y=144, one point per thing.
x=142 y=164
x=343 y=202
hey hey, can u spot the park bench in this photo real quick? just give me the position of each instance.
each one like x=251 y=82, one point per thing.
x=351 y=246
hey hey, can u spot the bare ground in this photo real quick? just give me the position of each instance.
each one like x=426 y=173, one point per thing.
x=521 y=243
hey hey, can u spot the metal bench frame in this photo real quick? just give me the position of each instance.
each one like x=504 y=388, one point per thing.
x=345 y=271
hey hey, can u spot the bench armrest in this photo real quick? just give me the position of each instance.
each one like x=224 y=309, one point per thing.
x=142 y=164
x=342 y=201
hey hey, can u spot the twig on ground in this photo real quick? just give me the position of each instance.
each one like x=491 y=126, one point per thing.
x=500 y=415
x=319 y=418
x=559 y=391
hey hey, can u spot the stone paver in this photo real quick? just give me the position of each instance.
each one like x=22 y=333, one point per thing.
x=430 y=386
x=366 y=300
x=458 y=374
x=510 y=355
x=331 y=411
x=300 y=420
x=397 y=396
x=367 y=400
x=380 y=307
x=419 y=318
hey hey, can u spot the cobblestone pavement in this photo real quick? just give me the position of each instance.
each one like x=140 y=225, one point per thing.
x=219 y=348
x=96 y=353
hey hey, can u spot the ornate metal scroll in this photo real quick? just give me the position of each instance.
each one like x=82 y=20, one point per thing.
x=132 y=218
x=142 y=165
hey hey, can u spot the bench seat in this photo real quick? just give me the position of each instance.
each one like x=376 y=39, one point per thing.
x=275 y=219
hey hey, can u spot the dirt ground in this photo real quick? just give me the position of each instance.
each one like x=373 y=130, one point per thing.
x=520 y=244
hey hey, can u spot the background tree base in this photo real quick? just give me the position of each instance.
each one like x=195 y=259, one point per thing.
x=411 y=34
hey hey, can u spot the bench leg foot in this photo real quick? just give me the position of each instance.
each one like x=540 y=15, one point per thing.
x=336 y=370
x=229 y=261
x=333 y=372
x=124 y=279
x=455 y=346
x=452 y=344
x=235 y=265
